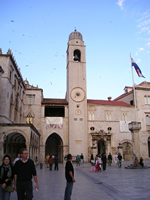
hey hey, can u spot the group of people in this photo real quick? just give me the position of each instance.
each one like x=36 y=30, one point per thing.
x=21 y=172
x=50 y=160
x=100 y=161
x=79 y=159
x=136 y=162
x=23 y=169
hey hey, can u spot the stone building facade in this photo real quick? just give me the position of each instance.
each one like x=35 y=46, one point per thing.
x=72 y=125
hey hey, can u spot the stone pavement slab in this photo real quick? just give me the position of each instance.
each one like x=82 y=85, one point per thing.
x=113 y=184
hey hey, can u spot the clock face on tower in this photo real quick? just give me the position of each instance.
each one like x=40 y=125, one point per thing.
x=77 y=94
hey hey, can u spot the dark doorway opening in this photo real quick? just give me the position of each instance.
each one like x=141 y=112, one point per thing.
x=54 y=146
x=101 y=146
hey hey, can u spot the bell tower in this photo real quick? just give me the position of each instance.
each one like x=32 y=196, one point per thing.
x=76 y=95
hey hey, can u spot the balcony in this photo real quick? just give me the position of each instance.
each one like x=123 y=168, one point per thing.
x=134 y=126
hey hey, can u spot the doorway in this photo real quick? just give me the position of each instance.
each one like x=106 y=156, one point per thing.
x=54 y=146
x=101 y=146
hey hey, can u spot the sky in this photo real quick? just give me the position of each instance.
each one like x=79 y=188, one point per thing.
x=37 y=33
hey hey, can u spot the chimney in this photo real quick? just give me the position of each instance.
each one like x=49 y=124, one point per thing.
x=109 y=98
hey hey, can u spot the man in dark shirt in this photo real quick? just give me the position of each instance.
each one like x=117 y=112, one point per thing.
x=24 y=169
x=69 y=174
x=104 y=161
x=119 y=159
x=56 y=162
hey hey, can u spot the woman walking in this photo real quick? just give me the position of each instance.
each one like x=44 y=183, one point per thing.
x=6 y=177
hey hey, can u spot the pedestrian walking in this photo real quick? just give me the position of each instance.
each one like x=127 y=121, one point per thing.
x=51 y=162
x=104 y=161
x=82 y=158
x=78 y=160
x=41 y=165
x=97 y=164
x=47 y=158
x=92 y=157
x=24 y=170
x=6 y=178
x=119 y=160
x=36 y=159
x=93 y=166
x=109 y=159
x=69 y=174
x=56 y=162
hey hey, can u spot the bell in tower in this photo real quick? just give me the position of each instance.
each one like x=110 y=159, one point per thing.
x=77 y=55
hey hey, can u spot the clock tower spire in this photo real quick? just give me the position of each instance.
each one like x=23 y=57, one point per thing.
x=76 y=95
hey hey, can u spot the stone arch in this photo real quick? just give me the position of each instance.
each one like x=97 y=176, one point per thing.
x=27 y=138
x=126 y=140
x=54 y=145
x=127 y=149
x=49 y=134
x=13 y=142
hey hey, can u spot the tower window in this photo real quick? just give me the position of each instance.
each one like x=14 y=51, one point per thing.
x=77 y=55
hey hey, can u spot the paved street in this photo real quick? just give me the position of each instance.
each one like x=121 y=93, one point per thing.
x=112 y=184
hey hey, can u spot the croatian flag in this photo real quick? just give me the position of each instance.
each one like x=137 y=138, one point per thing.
x=137 y=69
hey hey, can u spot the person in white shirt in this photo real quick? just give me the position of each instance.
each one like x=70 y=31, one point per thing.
x=16 y=159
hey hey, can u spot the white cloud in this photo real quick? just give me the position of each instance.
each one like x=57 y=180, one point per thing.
x=141 y=49
x=145 y=29
x=120 y=3
x=148 y=44
x=144 y=23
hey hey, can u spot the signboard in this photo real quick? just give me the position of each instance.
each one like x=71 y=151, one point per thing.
x=124 y=127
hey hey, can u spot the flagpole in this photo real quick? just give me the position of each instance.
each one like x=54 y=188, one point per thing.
x=134 y=91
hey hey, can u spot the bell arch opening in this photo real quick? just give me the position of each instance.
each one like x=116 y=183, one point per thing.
x=54 y=146
x=101 y=146
x=13 y=143
x=77 y=55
